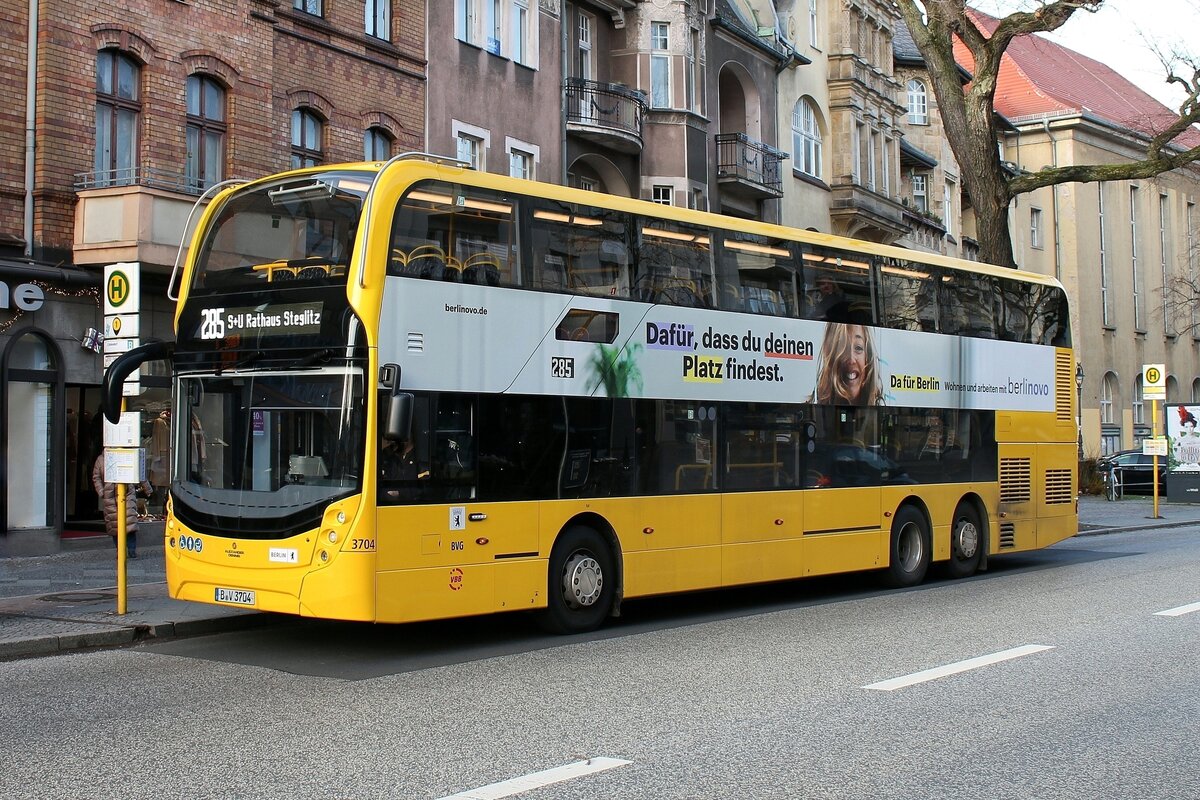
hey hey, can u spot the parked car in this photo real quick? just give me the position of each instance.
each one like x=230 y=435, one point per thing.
x=1136 y=470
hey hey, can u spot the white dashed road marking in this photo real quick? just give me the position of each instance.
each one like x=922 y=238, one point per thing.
x=953 y=669
x=1180 y=611
x=536 y=780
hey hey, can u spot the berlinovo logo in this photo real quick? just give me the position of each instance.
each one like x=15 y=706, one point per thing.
x=27 y=296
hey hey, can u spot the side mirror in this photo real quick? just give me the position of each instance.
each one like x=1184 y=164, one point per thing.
x=398 y=421
x=399 y=417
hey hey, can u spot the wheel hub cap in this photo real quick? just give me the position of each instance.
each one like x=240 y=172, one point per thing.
x=966 y=539
x=582 y=581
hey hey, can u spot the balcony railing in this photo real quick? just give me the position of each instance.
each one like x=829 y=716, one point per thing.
x=606 y=109
x=751 y=165
x=149 y=177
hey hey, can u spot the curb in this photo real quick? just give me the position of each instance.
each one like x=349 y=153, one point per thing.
x=126 y=635
x=1147 y=527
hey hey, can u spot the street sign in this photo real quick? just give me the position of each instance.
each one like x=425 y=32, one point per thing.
x=122 y=288
x=1154 y=382
x=117 y=326
x=1154 y=446
x=124 y=464
x=127 y=431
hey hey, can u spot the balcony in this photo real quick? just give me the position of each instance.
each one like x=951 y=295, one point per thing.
x=132 y=214
x=747 y=168
x=605 y=114
x=863 y=213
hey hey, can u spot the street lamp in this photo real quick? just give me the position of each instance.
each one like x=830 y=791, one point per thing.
x=1079 y=405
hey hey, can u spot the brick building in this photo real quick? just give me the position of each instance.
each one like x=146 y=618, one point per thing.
x=119 y=117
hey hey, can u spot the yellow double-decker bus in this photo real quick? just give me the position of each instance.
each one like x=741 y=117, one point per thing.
x=411 y=391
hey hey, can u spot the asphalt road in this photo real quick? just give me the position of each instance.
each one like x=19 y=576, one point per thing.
x=778 y=691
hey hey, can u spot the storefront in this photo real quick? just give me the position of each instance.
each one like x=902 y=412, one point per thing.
x=51 y=428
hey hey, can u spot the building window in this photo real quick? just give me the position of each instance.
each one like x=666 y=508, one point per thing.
x=589 y=184
x=663 y=195
x=205 y=132
x=377 y=145
x=379 y=19
x=466 y=20
x=1193 y=259
x=470 y=150
x=1105 y=278
x=520 y=31
x=520 y=164
x=1164 y=239
x=308 y=6
x=1108 y=390
x=118 y=108
x=918 y=103
x=872 y=136
x=949 y=191
x=1138 y=298
x=1138 y=407
x=587 y=64
x=806 y=138
x=1035 y=228
x=306 y=139
x=920 y=190
x=31 y=364
x=493 y=26
x=887 y=166
x=660 y=65
x=812 y=23
x=856 y=144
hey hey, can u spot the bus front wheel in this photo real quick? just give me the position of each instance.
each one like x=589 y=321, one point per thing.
x=966 y=543
x=909 y=556
x=581 y=584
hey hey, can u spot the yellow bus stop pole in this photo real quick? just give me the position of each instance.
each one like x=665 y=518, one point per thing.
x=1154 y=428
x=122 y=537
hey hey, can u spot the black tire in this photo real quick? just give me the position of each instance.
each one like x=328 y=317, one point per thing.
x=909 y=553
x=581 y=582
x=967 y=541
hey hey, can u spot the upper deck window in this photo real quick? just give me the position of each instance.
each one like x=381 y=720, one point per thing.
x=299 y=228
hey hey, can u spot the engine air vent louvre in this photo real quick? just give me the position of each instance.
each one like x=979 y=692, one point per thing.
x=1064 y=382
x=416 y=342
x=1058 y=486
x=1008 y=535
x=1015 y=480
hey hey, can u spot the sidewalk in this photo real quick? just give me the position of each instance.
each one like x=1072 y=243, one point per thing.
x=67 y=602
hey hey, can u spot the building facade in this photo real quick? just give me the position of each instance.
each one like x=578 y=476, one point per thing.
x=1119 y=247
x=130 y=111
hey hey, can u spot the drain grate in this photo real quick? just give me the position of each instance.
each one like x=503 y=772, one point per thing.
x=77 y=597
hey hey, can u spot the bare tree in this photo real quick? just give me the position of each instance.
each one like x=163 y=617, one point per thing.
x=970 y=125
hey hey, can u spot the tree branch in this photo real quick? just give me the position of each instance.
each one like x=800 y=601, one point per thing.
x=1091 y=173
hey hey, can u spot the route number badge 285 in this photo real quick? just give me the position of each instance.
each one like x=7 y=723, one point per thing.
x=562 y=367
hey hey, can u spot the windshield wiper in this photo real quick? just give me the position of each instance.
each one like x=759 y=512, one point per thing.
x=242 y=364
x=312 y=360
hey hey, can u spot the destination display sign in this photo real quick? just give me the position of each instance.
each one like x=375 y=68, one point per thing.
x=274 y=320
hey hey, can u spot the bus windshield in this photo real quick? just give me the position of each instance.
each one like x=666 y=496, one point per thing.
x=257 y=449
x=300 y=228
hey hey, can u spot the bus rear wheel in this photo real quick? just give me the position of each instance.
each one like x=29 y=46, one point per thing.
x=966 y=543
x=581 y=582
x=909 y=555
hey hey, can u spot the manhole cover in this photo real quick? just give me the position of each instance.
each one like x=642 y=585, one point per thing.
x=77 y=597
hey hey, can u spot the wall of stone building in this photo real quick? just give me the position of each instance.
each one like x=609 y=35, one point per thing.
x=1120 y=347
x=13 y=32
x=260 y=52
x=505 y=99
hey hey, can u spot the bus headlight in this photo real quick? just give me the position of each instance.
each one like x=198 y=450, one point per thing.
x=341 y=517
x=332 y=537
x=324 y=556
